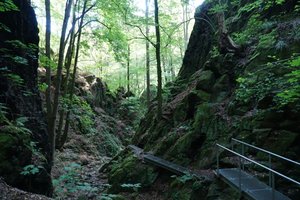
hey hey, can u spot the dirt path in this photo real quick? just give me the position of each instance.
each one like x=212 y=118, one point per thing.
x=76 y=171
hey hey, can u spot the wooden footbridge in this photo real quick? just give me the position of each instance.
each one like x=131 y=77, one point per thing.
x=247 y=184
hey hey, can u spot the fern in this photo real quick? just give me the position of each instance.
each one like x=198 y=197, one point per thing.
x=4 y=28
x=281 y=45
x=8 y=5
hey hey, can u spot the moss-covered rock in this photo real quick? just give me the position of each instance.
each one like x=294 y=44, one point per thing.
x=205 y=80
x=187 y=187
x=130 y=170
x=219 y=190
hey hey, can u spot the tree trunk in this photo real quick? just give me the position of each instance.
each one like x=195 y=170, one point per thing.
x=59 y=75
x=147 y=55
x=163 y=59
x=158 y=62
x=137 y=82
x=184 y=4
x=128 y=70
x=48 y=65
x=66 y=129
x=172 y=67
x=68 y=61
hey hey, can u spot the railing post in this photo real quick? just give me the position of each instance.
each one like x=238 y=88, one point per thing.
x=270 y=173
x=218 y=164
x=243 y=153
x=273 y=186
x=240 y=176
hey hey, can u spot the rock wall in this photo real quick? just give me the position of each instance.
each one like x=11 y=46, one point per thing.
x=195 y=57
x=219 y=95
x=23 y=134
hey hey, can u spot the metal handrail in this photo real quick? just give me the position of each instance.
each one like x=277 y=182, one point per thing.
x=265 y=151
x=259 y=164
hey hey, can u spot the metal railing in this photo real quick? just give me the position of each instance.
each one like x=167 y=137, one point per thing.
x=272 y=172
x=269 y=153
x=265 y=151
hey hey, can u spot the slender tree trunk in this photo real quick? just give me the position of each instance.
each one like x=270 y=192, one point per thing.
x=172 y=67
x=147 y=55
x=158 y=62
x=68 y=61
x=59 y=75
x=137 y=82
x=66 y=129
x=184 y=4
x=128 y=68
x=48 y=65
x=184 y=24
x=137 y=75
x=163 y=59
x=64 y=136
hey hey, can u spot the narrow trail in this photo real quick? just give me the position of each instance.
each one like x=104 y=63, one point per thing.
x=76 y=171
x=76 y=174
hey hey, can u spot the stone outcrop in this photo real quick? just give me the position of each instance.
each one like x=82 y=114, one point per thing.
x=23 y=129
x=200 y=42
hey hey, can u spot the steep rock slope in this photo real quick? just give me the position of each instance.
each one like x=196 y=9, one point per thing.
x=240 y=78
x=23 y=134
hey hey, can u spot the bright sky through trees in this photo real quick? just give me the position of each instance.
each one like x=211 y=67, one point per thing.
x=198 y=2
x=141 y=3
x=98 y=56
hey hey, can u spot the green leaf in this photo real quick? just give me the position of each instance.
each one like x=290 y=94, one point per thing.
x=8 y=5
x=295 y=62
x=4 y=27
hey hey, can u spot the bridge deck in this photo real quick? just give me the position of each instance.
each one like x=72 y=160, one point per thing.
x=154 y=160
x=162 y=163
x=250 y=185
x=177 y=169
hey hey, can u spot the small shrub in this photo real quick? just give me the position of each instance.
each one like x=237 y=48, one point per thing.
x=31 y=170
x=281 y=45
x=70 y=181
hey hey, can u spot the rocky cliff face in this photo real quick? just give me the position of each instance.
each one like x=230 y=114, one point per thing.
x=23 y=134
x=233 y=83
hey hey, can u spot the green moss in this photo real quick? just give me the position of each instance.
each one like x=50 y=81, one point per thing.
x=204 y=111
x=188 y=187
x=182 y=145
x=166 y=142
x=14 y=147
x=282 y=143
x=110 y=144
x=182 y=194
x=204 y=96
x=180 y=113
x=205 y=80
x=130 y=171
x=220 y=190
x=155 y=132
